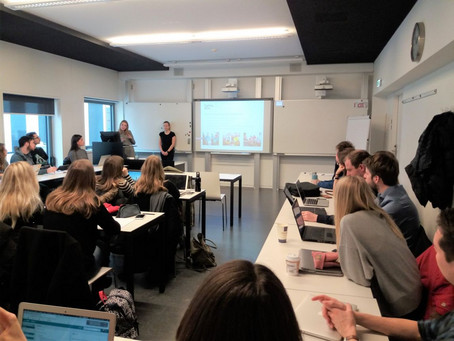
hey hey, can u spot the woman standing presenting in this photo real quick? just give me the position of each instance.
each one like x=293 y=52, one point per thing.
x=167 y=140
x=127 y=139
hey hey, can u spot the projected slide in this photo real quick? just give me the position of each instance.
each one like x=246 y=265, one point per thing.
x=234 y=125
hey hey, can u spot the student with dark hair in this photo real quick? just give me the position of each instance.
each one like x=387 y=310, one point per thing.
x=341 y=316
x=114 y=186
x=339 y=148
x=76 y=152
x=354 y=162
x=240 y=301
x=3 y=155
x=381 y=174
x=75 y=208
x=24 y=153
x=39 y=155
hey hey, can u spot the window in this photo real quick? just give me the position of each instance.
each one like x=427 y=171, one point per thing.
x=99 y=116
x=24 y=114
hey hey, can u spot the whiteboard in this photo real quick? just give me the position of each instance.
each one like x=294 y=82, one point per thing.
x=313 y=127
x=358 y=131
x=146 y=120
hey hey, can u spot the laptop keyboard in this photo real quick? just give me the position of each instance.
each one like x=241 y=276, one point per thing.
x=311 y=201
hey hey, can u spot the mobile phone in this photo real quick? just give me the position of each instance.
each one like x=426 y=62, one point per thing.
x=140 y=216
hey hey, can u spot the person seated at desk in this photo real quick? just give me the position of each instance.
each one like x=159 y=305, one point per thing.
x=24 y=153
x=39 y=155
x=76 y=152
x=20 y=205
x=353 y=159
x=75 y=208
x=114 y=185
x=341 y=317
x=372 y=250
x=382 y=171
x=328 y=184
x=3 y=155
x=240 y=301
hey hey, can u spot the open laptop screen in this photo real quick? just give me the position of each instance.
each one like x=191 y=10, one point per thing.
x=178 y=180
x=39 y=322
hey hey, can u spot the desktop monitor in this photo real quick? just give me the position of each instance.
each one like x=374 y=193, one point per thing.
x=110 y=136
x=106 y=148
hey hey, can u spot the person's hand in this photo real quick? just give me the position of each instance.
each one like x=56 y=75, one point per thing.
x=9 y=327
x=309 y=216
x=339 y=315
x=165 y=153
x=315 y=181
x=339 y=171
x=124 y=171
x=51 y=170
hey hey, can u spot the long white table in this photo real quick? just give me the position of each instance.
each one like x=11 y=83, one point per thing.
x=273 y=255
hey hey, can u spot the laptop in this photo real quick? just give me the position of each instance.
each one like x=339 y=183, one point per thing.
x=182 y=181
x=315 y=210
x=312 y=233
x=36 y=168
x=135 y=175
x=311 y=201
x=311 y=321
x=46 y=322
x=307 y=265
x=103 y=159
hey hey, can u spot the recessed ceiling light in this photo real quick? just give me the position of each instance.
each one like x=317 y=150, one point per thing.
x=208 y=36
x=24 y=4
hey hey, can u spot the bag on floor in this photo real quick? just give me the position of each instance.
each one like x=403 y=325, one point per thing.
x=201 y=254
x=121 y=303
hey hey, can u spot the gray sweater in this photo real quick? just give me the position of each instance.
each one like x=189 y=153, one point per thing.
x=77 y=154
x=368 y=247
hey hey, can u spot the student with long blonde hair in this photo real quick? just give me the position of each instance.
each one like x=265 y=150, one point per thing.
x=75 y=208
x=114 y=185
x=373 y=251
x=20 y=203
x=127 y=139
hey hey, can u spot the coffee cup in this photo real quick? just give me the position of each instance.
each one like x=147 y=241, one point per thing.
x=282 y=232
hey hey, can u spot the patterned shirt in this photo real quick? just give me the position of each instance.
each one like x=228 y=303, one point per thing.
x=437 y=329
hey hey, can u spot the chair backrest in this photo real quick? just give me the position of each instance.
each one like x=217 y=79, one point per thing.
x=49 y=269
x=211 y=184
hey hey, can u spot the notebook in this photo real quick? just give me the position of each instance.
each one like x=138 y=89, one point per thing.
x=46 y=322
x=307 y=265
x=311 y=321
x=311 y=201
x=312 y=233
x=315 y=210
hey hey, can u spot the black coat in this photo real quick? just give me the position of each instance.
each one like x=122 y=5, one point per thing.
x=431 y=172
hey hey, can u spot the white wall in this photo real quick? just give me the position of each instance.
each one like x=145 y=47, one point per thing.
x=402 y=79
x=26 y=71
x=164 y=87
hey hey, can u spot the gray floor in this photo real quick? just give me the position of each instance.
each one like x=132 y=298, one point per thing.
x=160 y=314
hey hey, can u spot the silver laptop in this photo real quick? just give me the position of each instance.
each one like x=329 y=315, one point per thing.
x=315 y=210
x=46 y=322
x=180 y=180
x=311 y=201
x=312 y=233
x=307 y=265
x=36 y=168
x=103 y=159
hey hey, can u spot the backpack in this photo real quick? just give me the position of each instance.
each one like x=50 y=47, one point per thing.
x=121 y=303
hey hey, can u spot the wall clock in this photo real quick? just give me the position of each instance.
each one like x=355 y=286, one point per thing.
x=417 y=41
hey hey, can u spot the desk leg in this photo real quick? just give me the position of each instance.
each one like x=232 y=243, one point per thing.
x=204 y=215
x=128 y=266
x=232 y=192
x=187 y=239
x=240 y=190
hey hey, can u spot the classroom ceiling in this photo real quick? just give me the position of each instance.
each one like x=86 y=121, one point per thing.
x=327 y=31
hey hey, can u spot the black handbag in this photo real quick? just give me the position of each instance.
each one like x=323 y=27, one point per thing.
x=128 y=210
x=308 y=188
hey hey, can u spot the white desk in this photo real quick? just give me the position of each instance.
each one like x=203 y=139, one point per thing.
x=273 y=255
x=60 y=175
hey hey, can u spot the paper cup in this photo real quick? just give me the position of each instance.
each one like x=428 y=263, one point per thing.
x=292 y=264
x=282 y=232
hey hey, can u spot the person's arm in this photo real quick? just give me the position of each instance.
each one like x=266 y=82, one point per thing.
x=10 y=329
x=174 y=140
x=325 y=219
x=340 y=316
x=126 y=185
x=328 y=184
x=107 y=223
x=131 y=138
x=160 y=146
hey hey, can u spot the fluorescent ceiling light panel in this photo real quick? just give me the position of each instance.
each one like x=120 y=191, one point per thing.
x=208 y=36
x=23 y=4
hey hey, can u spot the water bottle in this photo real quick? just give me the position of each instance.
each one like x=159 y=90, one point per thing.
x=314 y=176
x=198 y=182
